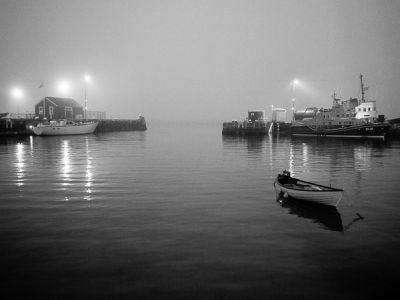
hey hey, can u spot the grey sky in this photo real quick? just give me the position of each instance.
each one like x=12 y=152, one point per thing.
x=200 y=60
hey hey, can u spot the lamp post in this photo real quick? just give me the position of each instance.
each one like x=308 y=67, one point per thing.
x=86 y=79
x=294 y=83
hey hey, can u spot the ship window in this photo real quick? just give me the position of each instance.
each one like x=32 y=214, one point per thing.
x=365 y=109
x=359 y=109
x=369 y=108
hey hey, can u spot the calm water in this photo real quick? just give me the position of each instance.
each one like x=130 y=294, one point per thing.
x=181 y=212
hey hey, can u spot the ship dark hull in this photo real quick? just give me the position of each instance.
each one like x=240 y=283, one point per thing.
x=359 y=131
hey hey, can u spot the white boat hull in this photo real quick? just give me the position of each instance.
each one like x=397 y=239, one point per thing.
x=68 y=129
x=326 y=197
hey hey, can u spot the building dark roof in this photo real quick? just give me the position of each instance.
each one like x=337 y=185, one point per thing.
x=62 y=102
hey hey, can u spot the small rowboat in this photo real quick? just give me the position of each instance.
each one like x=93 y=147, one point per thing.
x=303 y=190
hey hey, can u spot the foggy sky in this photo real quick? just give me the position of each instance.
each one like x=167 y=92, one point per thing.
x=200 y=60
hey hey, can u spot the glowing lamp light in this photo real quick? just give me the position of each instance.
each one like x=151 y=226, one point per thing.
x=64 y=86
x=87 y=78
x=17 y=93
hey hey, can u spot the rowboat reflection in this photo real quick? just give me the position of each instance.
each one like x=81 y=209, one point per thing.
x=327 y=217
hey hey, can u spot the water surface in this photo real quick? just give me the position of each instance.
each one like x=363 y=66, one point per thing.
x=180 y=211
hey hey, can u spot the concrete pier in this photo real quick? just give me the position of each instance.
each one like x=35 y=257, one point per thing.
x=394 y=131
x=15 y=127
x=22 y=127
x=121 y=125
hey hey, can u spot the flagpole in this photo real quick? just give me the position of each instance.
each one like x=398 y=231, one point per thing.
x=84 y=115
x=86 y=80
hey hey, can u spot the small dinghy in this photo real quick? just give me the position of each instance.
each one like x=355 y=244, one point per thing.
x=303 y=190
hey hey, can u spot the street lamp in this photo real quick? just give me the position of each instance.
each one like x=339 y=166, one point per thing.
x=86 y=79
x=294 y=83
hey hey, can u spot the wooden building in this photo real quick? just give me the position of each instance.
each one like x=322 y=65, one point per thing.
x=53 y=108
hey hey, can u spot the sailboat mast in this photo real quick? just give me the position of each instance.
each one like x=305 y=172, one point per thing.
x=362 y=89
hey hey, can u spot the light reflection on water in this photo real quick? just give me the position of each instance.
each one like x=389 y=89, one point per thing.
x=89 y=174
x=178 y=207
x=20 y=164
x=66 y=164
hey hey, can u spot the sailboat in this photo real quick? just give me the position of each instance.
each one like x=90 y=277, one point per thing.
x=65 y=127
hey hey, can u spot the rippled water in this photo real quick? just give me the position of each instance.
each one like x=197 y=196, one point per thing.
x=180 y=211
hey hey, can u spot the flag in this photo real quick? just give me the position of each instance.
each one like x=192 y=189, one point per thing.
x=41 y=85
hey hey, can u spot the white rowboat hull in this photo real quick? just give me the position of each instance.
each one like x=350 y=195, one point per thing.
x=326 y=197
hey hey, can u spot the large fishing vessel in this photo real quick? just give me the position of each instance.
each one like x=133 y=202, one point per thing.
x=348 y=118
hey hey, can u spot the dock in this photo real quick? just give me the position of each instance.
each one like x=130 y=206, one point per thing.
x=254 y=124
x=22 y=126
x=394 y=131
x=121 y=125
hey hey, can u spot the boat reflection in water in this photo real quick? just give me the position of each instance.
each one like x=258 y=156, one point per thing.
x=327 y=217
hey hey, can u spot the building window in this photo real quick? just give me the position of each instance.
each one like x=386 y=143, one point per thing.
x=365 y=109
x=40 y=110
x=369 y=108
x=51 y=110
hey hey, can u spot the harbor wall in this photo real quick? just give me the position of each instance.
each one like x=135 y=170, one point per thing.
x=394 y=131
x=21 y=127
x=15 y=127
x=257 y=128
x=245 y=128
x=121 y=125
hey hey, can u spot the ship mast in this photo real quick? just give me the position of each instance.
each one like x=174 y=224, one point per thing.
x=335 y=99
x=362 y=89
